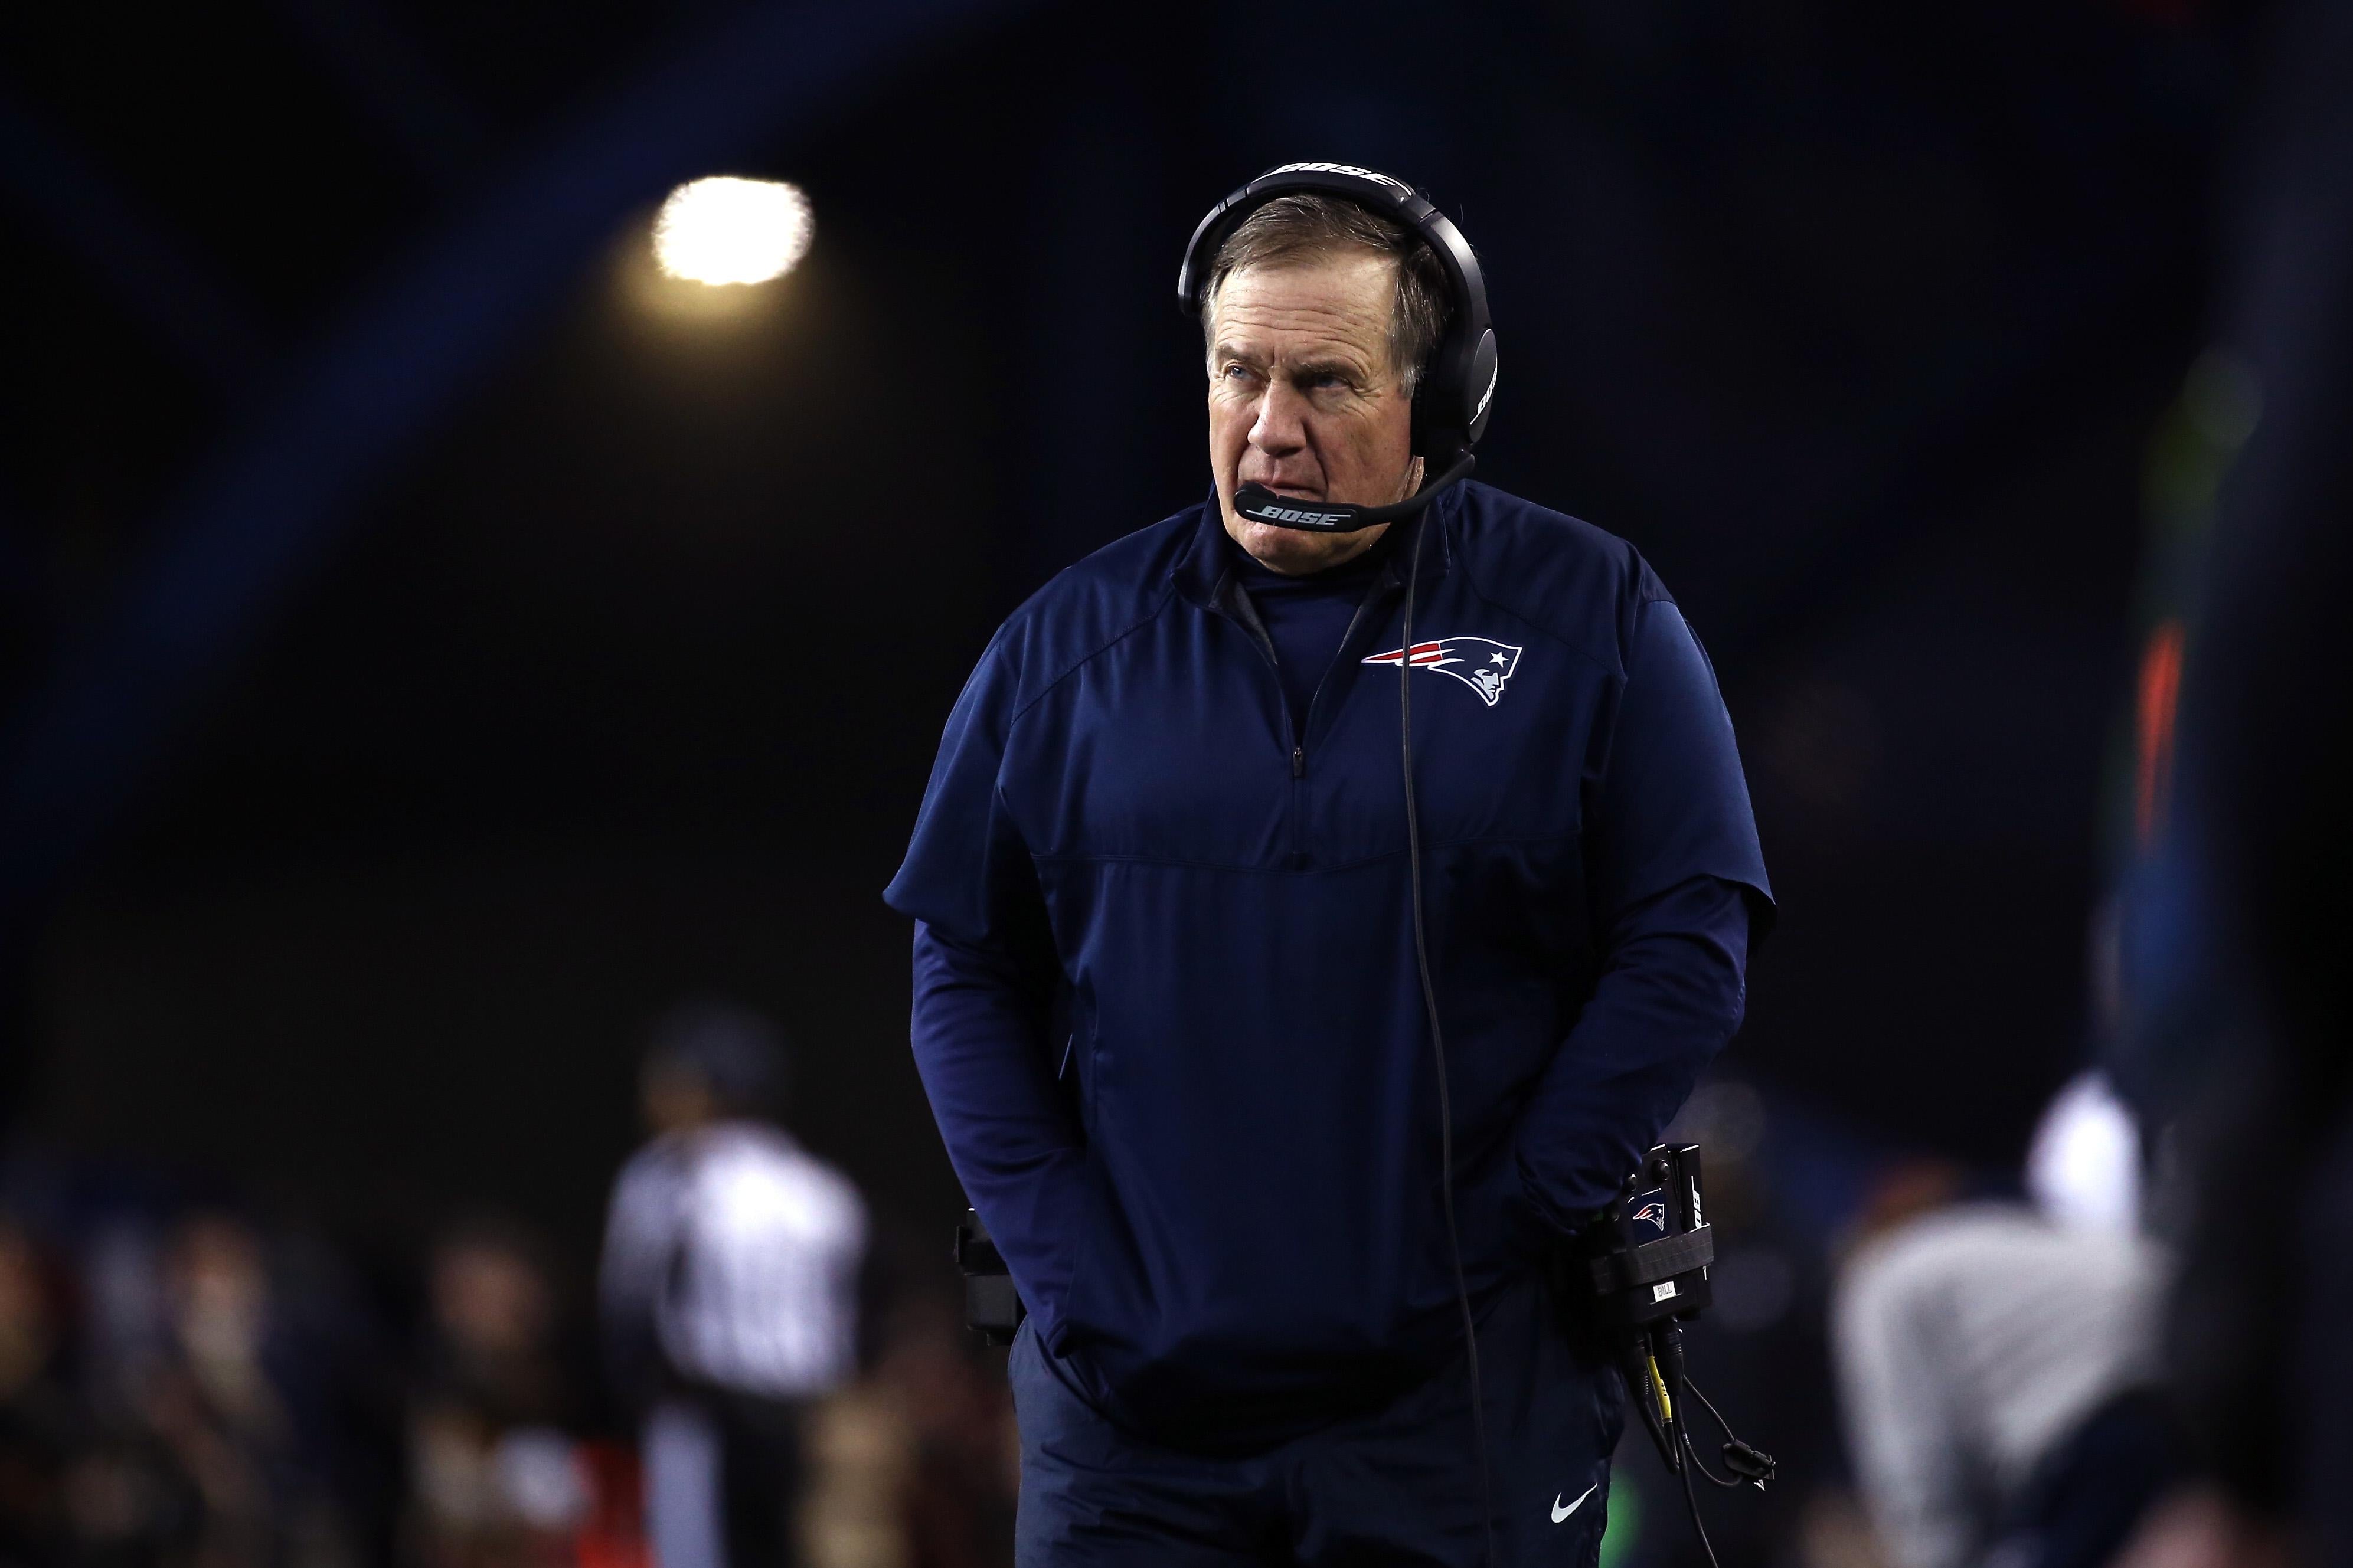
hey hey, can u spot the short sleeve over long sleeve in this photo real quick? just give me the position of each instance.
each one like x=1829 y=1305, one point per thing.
x=984 y=979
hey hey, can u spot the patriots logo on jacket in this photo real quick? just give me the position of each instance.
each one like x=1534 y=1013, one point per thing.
x=1482 y=664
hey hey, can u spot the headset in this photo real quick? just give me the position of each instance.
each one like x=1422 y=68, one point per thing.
x=1456 y=394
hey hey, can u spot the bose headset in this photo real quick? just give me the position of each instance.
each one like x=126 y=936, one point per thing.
x=1457 y=390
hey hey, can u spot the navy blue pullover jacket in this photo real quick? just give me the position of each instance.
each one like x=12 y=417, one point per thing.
x=1166 y=1001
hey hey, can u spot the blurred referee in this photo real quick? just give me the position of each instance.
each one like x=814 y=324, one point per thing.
x=728 y=1291
x=1167 y=1000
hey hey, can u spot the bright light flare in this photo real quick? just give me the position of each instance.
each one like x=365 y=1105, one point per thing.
x=728 y=230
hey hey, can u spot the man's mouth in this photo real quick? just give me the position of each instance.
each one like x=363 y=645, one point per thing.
x=1288 y=491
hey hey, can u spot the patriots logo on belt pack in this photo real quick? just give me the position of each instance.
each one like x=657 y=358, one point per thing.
x=1482 y=664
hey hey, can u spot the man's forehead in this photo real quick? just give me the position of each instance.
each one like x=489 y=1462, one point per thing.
x=1340 y=301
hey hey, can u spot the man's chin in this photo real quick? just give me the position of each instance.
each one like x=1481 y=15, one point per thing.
x=1294 y=549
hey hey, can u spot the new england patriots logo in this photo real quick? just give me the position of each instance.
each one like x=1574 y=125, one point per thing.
x=1480 y=663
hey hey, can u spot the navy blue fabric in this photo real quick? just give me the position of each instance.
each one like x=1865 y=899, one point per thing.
x=1306 y=616
x=1166 y=1000
x=1400 y=1484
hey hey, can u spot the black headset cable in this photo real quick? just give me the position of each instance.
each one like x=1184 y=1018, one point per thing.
x=1437 y=1049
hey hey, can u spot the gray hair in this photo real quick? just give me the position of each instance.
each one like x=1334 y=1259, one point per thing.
x=1308 y=224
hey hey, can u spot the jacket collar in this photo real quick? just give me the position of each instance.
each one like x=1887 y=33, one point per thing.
x=1204 y=571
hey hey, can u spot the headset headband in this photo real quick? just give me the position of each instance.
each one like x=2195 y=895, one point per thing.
x=1458 y=387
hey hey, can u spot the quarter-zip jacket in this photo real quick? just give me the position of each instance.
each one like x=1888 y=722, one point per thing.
x=1166 y=1006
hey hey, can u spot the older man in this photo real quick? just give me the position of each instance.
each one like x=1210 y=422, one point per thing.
x=1171 y=1006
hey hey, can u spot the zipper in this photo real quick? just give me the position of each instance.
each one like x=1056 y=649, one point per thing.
x=1245 y=613
x=1380 y=589
x=1239 y=610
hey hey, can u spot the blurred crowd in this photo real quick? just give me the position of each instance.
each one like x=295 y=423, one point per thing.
x=752 y=1378
x=185 y=1384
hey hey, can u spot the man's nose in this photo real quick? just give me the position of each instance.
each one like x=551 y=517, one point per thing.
x=1282 y=424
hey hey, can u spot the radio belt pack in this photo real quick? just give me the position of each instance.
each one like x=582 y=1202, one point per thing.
x=1643 y=1265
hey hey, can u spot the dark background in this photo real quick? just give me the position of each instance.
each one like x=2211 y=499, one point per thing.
x=355 y=842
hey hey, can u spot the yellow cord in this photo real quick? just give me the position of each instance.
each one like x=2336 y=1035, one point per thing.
x=1666 y=1405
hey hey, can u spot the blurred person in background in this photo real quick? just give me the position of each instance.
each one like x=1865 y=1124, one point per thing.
x=44 y=1428
x=2247 y=899
x=214 y=1400
x=238 y=1432
x=500 y=1476
x=132 y=1501
x=957 y=1500
x=2000 y=1365
x=917 y=1466
x=728 y=1291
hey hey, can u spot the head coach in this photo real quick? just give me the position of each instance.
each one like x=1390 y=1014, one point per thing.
x=1323 y=897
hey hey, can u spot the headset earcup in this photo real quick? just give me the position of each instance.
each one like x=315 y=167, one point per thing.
x=1437 y=435
x=1478 y=390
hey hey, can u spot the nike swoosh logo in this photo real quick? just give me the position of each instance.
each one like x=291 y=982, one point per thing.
x=1559 y=1513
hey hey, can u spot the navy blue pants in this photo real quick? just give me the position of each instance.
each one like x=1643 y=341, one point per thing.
x=1398 y=1486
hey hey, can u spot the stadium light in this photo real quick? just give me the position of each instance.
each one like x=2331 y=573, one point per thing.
x=722 y=230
